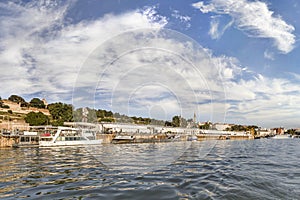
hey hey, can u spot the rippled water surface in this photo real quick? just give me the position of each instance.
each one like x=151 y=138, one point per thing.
x=255 y=169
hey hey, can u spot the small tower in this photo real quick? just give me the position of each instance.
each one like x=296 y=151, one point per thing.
x=195 y=119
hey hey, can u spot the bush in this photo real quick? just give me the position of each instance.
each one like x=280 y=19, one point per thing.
x=37 y=103
x=10 y=111
x=24 y=104
x=5 y=106
x=106 y=120
x=16 y=99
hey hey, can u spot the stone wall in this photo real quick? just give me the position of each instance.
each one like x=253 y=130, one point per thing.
x=14 y=125
x=106 y=138
x=7 y=141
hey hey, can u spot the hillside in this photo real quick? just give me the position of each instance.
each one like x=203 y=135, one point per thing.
x=15 y=112
x=16 y=108
x=13 y=117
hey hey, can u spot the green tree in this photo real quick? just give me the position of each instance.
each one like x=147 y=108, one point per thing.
x=36 y=119
x=167 y=123
x=16 y=99
x=24 y=104
x=176 y=121
x=141 y=120
x=60 y=113
x=238 y=128
x=100 y=113
x=291 y=131
x=109 y=114
x=103 y=113
x=37 y=103
x=205 y=126
x=107 y=120
x=5 y=106
x=102 y=116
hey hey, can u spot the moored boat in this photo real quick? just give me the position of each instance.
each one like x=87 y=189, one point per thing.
x=192 y=138
x=283 y=136
x=66 y=136
x=120 y=139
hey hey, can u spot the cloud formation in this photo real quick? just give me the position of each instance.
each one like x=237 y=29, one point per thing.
x=253 y=18
x=41 y=52
x=183 y=19
x=215 y=31
x=44 y=55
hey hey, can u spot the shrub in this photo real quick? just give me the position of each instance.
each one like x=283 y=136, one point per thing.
x=5 y=106
x=16 y=99
x=36 y=119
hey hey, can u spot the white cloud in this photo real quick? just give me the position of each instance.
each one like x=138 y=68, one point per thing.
x=21 y=31
x=215 y=31
x=269 y=55
x=152 y=16
x=255 y=19
x=182 y=18
x=148 y=66
x=41 y=51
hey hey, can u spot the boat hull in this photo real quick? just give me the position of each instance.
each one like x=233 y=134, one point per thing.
x=122 y=139
x=282 y=137
x=70 y=143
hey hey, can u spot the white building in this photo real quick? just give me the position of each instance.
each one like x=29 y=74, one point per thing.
x=220 y=126
x=264 y=132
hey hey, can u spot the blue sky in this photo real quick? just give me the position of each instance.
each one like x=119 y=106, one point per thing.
x=234 y=61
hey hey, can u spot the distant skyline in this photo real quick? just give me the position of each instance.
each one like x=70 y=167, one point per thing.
x=232 y=61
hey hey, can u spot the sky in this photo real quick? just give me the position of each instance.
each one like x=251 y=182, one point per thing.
x=227 y=61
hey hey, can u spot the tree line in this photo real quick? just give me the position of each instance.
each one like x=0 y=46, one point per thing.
x=61 y=112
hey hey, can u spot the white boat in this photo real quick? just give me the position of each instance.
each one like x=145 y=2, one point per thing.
x=284 y=136
x=192 y=138
x=66 y=136
x=123 y=139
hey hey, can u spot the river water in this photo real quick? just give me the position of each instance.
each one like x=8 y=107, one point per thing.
x=249 y=169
